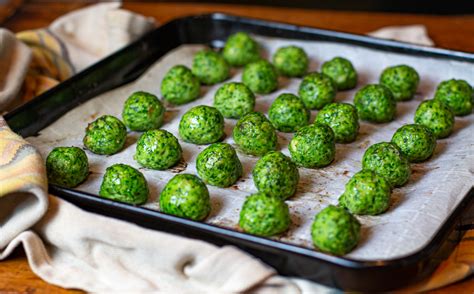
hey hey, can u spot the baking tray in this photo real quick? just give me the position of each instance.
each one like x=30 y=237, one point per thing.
x=130 y=62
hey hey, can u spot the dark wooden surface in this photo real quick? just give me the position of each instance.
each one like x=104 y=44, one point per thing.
x=453 y=32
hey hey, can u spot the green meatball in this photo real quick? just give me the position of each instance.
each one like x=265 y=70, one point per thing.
x=202 y=125
x=158 y=149
x=106 y=135
x=210 y=67
x=402 y=80
x=218 y=165
x=291 y=61
x=142 y=112
x=264 y=215
x=180 y=85
x=276 y=175
x=366 y=193
x=288 y=113
x=435 y=115
x=260 y=76
x=342 y=118
x=123 y=183
x=416 y=142
x=335 y=230
x=456 y=94
x=342 y=72
x=375 y=103
x=388 y=161
x=316 y=90
x=240 y=49
x=186 y=196
x=255 y=134
x=234 y=100
x=67 y=166
x=313 y=146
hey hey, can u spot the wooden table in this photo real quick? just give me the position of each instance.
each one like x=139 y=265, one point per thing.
x=454 y=32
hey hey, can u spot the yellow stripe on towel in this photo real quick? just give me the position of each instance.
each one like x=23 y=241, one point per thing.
x=21 y=166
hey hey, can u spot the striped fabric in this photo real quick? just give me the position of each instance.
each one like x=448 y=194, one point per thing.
x=21 y=166
x=50 y=64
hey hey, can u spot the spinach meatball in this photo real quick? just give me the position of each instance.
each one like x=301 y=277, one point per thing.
x=186 y=196
x=416 y=142
x=255 y=135
x=291 y=61
x=335 y=230
x=436 y=116
x=366 y=193
x=342 y=72
x=456 y=94
x=202 y=125
x=234 y=100
x=158 y=149
x=143 y=111
x=67 y=166
x=240 y=49
x=342 y=118
x=402 y=80
x=106 y=135
x=288 y=113
x=218 y=165
x=276 y=175
x=387 y=160
x=264 y=215
x=180 y=85
x=124 y=183
x=210 y=67
x=260 y=76
x=313 y=146
x=316 y=90
x=375 y=103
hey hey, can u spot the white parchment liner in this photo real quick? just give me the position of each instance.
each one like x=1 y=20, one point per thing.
x=418 y=209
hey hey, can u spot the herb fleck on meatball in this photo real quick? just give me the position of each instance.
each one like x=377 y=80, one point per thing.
x=260 y=76
x=316 y=90
x=375 y=103
x=210 y=67
x=342 y=72
x=313 y=146
x=219 y=165
x=158 y=149
x=288 y=113
x=335 y=230
x=291 y=61
x=402 y=80
x=234 y=100
x=106 y=135
x=240 y=49
x=123 y=183
x=436 y=116
x=456 y=94
x=67 y=166
x=264 y=215
x=180 y=85
x=202 y=125
x=186 y=196
x=143 y=111
x=255 y=135
x=276 y=175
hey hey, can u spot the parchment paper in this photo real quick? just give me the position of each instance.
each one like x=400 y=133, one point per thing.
x=417 y=210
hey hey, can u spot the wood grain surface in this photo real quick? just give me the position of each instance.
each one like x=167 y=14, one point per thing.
x=453 y=32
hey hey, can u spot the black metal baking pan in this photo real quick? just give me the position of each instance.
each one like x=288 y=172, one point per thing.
x=130 y=62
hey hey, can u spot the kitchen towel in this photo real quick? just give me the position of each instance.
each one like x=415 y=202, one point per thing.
x=71 y=248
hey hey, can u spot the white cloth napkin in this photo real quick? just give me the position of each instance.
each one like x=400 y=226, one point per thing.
x=72 y=248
